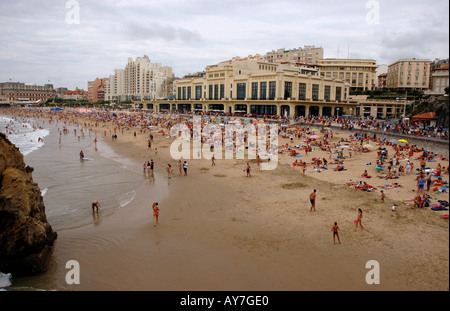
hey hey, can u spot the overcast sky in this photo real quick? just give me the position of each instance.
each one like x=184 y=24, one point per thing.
x=39 y=40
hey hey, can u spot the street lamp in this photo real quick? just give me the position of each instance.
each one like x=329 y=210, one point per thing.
x=337 y=109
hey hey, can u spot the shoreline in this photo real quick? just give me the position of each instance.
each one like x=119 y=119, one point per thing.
x=222 y=231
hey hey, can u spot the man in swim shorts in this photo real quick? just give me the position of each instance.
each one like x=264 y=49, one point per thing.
x=312 y=199
x=95 y=206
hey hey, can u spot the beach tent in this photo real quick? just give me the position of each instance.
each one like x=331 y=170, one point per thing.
x=57 y=109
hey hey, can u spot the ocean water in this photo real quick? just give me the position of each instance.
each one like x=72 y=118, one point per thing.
x=69 y=185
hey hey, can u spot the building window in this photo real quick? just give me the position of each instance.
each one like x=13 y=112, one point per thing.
x=315 y=92
x=222 y=91
x=179 y=93
x=198 y=92
x=302 y=91
x=287 y=90
x=241 y=91
x=216 y=92
x=210 y=92
x=338 y=93
x=184 y=92
x=188 y=92
x=327 y=92
x=263 y=90
x=272 y=89
x=254 y=90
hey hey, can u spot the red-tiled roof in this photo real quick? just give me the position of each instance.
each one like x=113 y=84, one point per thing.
x=426 y=116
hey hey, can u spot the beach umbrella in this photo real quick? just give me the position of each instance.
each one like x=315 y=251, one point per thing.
x=314 y=130
x=368 y=146
x=314 y=136
x=403 y=141
x=394 y=141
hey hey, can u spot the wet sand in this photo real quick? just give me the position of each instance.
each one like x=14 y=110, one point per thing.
x=220 y=230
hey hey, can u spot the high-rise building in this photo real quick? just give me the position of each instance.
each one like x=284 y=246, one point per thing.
x=96 y=91
x=409 y=74
x=359 y=73
x=140 y=80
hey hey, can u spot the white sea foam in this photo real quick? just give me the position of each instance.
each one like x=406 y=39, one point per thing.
x=24 y=137
x=5 y=280
x=126 y=198
x=28 y=142
x=43 y=192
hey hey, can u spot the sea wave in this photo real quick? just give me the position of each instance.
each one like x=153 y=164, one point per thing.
x=126 y=198
x=24 y=136
x=29 y=141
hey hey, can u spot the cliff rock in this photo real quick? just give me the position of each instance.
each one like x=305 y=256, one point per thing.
x=26 y=237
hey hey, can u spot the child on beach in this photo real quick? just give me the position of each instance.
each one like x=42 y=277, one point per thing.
x=155 y=213
x=335 y=230
x=248 y=170
x=382 y=195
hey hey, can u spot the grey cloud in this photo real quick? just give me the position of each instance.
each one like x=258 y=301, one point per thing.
x=137 y=32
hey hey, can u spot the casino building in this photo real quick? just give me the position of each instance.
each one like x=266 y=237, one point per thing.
x=249 y=86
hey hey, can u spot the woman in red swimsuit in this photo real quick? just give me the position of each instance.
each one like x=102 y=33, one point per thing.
x=155 y=214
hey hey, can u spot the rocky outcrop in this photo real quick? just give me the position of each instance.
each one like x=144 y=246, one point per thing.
x=26 y=237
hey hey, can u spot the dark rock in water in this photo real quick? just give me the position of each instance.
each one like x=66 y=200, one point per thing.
x=26 y=237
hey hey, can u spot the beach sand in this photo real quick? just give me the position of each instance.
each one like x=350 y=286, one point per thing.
x=220 y=230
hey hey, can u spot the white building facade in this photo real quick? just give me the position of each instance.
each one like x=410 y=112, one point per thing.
x=139 y=80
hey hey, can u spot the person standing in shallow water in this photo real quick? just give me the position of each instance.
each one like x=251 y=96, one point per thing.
x=95 y=206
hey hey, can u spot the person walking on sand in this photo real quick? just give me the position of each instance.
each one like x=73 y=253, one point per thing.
x=155 y=213
x=382 y=195
x=213 y=161
x=180 y=166
x=152 y=166
x=335 y=230
x=185 y=166
x=169 y=170
x=247 y=169
x=312 y=199
x=358 y=220
x=420 y=185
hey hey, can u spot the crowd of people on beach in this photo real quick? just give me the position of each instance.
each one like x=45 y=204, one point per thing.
x=303 y=137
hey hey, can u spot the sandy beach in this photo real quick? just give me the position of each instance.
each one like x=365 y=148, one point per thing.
x=221 y=230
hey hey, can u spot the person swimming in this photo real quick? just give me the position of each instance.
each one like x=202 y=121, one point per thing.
x=81 y=155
